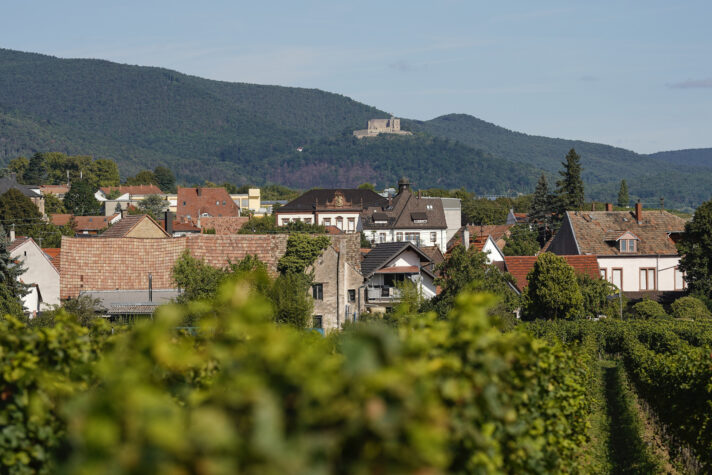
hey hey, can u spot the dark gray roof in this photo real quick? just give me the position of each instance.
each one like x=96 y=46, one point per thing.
x=353 y=199
x=381 y=254
x=131 y=301
x=10 y=181
x=405 y=209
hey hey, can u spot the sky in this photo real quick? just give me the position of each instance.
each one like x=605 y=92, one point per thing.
x=634 y=74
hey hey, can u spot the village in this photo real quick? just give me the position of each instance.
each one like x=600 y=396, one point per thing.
x=124 y=259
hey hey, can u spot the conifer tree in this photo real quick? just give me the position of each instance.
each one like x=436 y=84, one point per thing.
x=11 y=289
x=623 y=198
x=540 y=210
x=569 y=191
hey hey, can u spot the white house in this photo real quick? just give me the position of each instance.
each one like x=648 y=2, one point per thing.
x=40 y=274
x=388 y=264
x=407 y=217
x=330 y=207
x=635 y=249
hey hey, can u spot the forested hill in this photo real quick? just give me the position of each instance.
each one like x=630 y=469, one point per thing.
x=244 y=133
x=701 y=157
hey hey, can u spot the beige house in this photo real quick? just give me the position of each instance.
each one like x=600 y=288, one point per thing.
x=40 y=274
x=140 y=226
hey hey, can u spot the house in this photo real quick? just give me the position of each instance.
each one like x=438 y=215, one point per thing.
x=635 y=249
x=407 y=217
x=116 y=199
x=340 y=207
x=40 y=274
x=483 y=242
x=57 y=190
x=127 y=306
x=520 y=266
x=195 y=203
x=55 y=255
x=250 y=203
x=388 y=264
x=85 y=225
x=9 y=181
x=337 y=287
x=140 y=226
x=516 y=218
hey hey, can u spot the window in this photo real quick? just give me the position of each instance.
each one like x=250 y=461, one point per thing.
x=223 y=203
x=340 y=222
x=327 y=221
x=433 y=237
x=617 y=277
x=184 y=203
x=399 y=237
x=317 y=321
x=285 y=221
x=307 y=220
x=217 y=203
x=680 y=283
x=318 y=291
x=627 y=245
x=352 y=224
x=647 y=278
x=413 y=237
x=381 y=237
x=352 y=295
x=604 y=273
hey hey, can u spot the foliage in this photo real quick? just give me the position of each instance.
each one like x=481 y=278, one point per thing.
x=302 y=251
x=11 y=288
x=623 y=198
x=553 y=291
x=36 y=172
x=196 y=279
x=293 y=304
x=595 y=293
x=367 y=186
x=647 y=309
x=569 y=189
x=83 y=310
x=19 y=166
x=17 y=209
x=144 y=177
x=165 y=179
x=80 y=200
x=153 y=205
x=468 y=270
x=695 y=247
x=268 y=225
x=53 y=204
x=521 y=242
x=689 y=307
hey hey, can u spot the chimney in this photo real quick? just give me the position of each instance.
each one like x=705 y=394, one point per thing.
x=169 y=223
x=639 y=212
x=12 y=233
x=609 y=206
x=403 y=184
x=150 y=287
x=198 y=190
x=466 y=238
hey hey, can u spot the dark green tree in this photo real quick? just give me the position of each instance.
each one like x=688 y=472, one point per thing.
x=165 y=179
x=302 y=251
x=196 y=279
x=53 y=204
x=11 y=289
x=103 y=172
x=293 y=305
x=689 y=307
x=623 y=198
x=540 y=211
x=145 y=177
x=553 y=292
x=648 y=309
x=36 y=173
x=367 y=186
x=595 y=293
x=153 y=205
x=17 y=209
x=569 y=190
x=695 y=247
x=19 y=166
x=521 y=242
x=80 y=200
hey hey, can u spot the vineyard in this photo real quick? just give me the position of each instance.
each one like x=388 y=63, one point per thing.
x=427 y=395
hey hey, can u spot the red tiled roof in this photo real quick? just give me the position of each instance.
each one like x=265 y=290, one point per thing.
x=127 y=223
x=92 y=223
x=54 y=189
x=60 y=219
x=519 y=267
x=19 y=241
x=54 y=254
x=133 y=189
x=198 y=201
x=333 y=230
x=223 y=225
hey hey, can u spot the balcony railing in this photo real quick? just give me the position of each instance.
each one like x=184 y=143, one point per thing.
x=382 y=293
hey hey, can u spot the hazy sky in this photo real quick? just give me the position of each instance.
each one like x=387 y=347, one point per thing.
x=636 y=74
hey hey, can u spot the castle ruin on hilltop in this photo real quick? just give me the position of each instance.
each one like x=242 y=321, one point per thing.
x=381 y=126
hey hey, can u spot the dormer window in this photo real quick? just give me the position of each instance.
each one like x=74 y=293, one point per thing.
x=419 y=218
x=627 y=245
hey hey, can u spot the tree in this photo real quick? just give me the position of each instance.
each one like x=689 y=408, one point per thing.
x=553 y=292
x=103 y=172
x=292 y=303
x=11 y=289
x=367 y=186
x=623 y=199
x=521 y=242
x=648 y=309
x=19 y=166
x=540 y=211
x=689 y=307
x=80 y=200
x=302 y=251
x=197 y=279
x=53 y=204
x=569 y=191
x=145 y=177
x=153 y=205
x=595 y=293
x=165 y=179
x=18 y=209
x=695 y=247
x=36 y=173
x=468 y=270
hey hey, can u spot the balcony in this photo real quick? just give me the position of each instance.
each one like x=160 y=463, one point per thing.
x=382 y=294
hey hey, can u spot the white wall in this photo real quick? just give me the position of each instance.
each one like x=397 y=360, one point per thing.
x=492 y=251
x=392 y=235
x=39 y=271
x=318 y=218
x=664 y=271
x=405 y=259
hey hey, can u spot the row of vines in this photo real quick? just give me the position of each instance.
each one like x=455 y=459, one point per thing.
x=244 y=395
x=670 y=365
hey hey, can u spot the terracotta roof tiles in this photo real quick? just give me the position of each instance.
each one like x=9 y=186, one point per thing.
x=519 y=267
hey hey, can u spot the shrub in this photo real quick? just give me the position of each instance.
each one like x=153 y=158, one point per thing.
x=647 y=309
x=689 y=307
